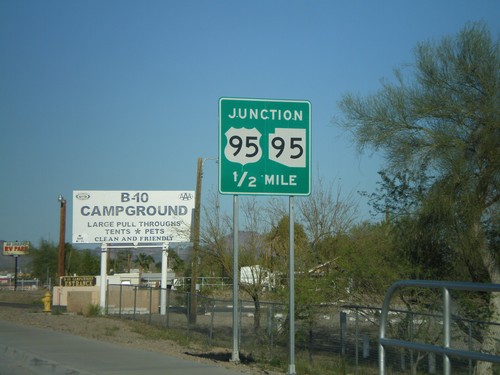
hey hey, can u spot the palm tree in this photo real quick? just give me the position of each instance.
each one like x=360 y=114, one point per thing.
x=144 y=261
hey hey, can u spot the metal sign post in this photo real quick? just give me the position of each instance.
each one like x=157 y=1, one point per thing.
x=291 y=271
x=235 y=356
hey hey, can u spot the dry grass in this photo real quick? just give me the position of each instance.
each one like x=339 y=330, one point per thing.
x=32 y=297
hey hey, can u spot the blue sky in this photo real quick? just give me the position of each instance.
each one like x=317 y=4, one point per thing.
x=123 y=95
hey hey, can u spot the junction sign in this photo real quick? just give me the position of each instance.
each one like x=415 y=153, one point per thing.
x=132 y=216
x=264 y=147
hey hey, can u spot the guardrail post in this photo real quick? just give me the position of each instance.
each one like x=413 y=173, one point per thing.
x=432 y=363
x=356 y=339
x=366 y=346
x=343 y=332
x=469 y=346
x=446 y=329
x=410 y=337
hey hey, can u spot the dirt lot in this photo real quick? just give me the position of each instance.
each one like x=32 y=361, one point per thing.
x=131 y=334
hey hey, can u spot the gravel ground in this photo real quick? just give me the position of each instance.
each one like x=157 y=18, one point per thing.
x=131 y=334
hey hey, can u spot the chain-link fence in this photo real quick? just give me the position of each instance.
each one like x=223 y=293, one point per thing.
x=8 y=283
x=330 y=338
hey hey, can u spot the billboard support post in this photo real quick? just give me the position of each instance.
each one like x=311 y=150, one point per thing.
x=163 y=285
x=104 y=281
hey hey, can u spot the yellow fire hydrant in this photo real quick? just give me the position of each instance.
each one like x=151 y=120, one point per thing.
x=46 y=302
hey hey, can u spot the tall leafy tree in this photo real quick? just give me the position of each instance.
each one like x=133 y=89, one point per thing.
x=445 y=120
x=278 y=242
x=120 y=261
x=368 y=258
x=89 y=263
x=44 y=261
x=144 y=261
x=175 y=262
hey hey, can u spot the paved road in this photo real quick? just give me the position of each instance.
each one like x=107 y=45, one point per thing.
x=34 y=351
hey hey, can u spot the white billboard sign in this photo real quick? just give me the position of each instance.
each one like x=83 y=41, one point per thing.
x=103 y=216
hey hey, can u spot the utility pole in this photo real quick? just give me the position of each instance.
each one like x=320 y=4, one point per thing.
x=196 y=244
x=62 y=230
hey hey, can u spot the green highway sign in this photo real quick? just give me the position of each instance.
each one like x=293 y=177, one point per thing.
x=264 y=147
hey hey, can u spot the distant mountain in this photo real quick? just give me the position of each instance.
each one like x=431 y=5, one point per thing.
x=184 y=250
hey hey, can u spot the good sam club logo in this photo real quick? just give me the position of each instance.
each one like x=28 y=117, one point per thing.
x=186 y=196
x=83 y=196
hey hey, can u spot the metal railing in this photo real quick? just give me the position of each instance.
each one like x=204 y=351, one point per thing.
x=445 y=349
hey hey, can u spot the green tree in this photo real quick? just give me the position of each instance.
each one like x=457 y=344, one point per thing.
x=370 y=261
x=44 y=261
x=89 y=264
x=45 y=258
x=119 y=260
x=144 y=261
x=398 y=195
x=70 y=259
x=174 y=262
x=278 y=240
x=445 y=122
